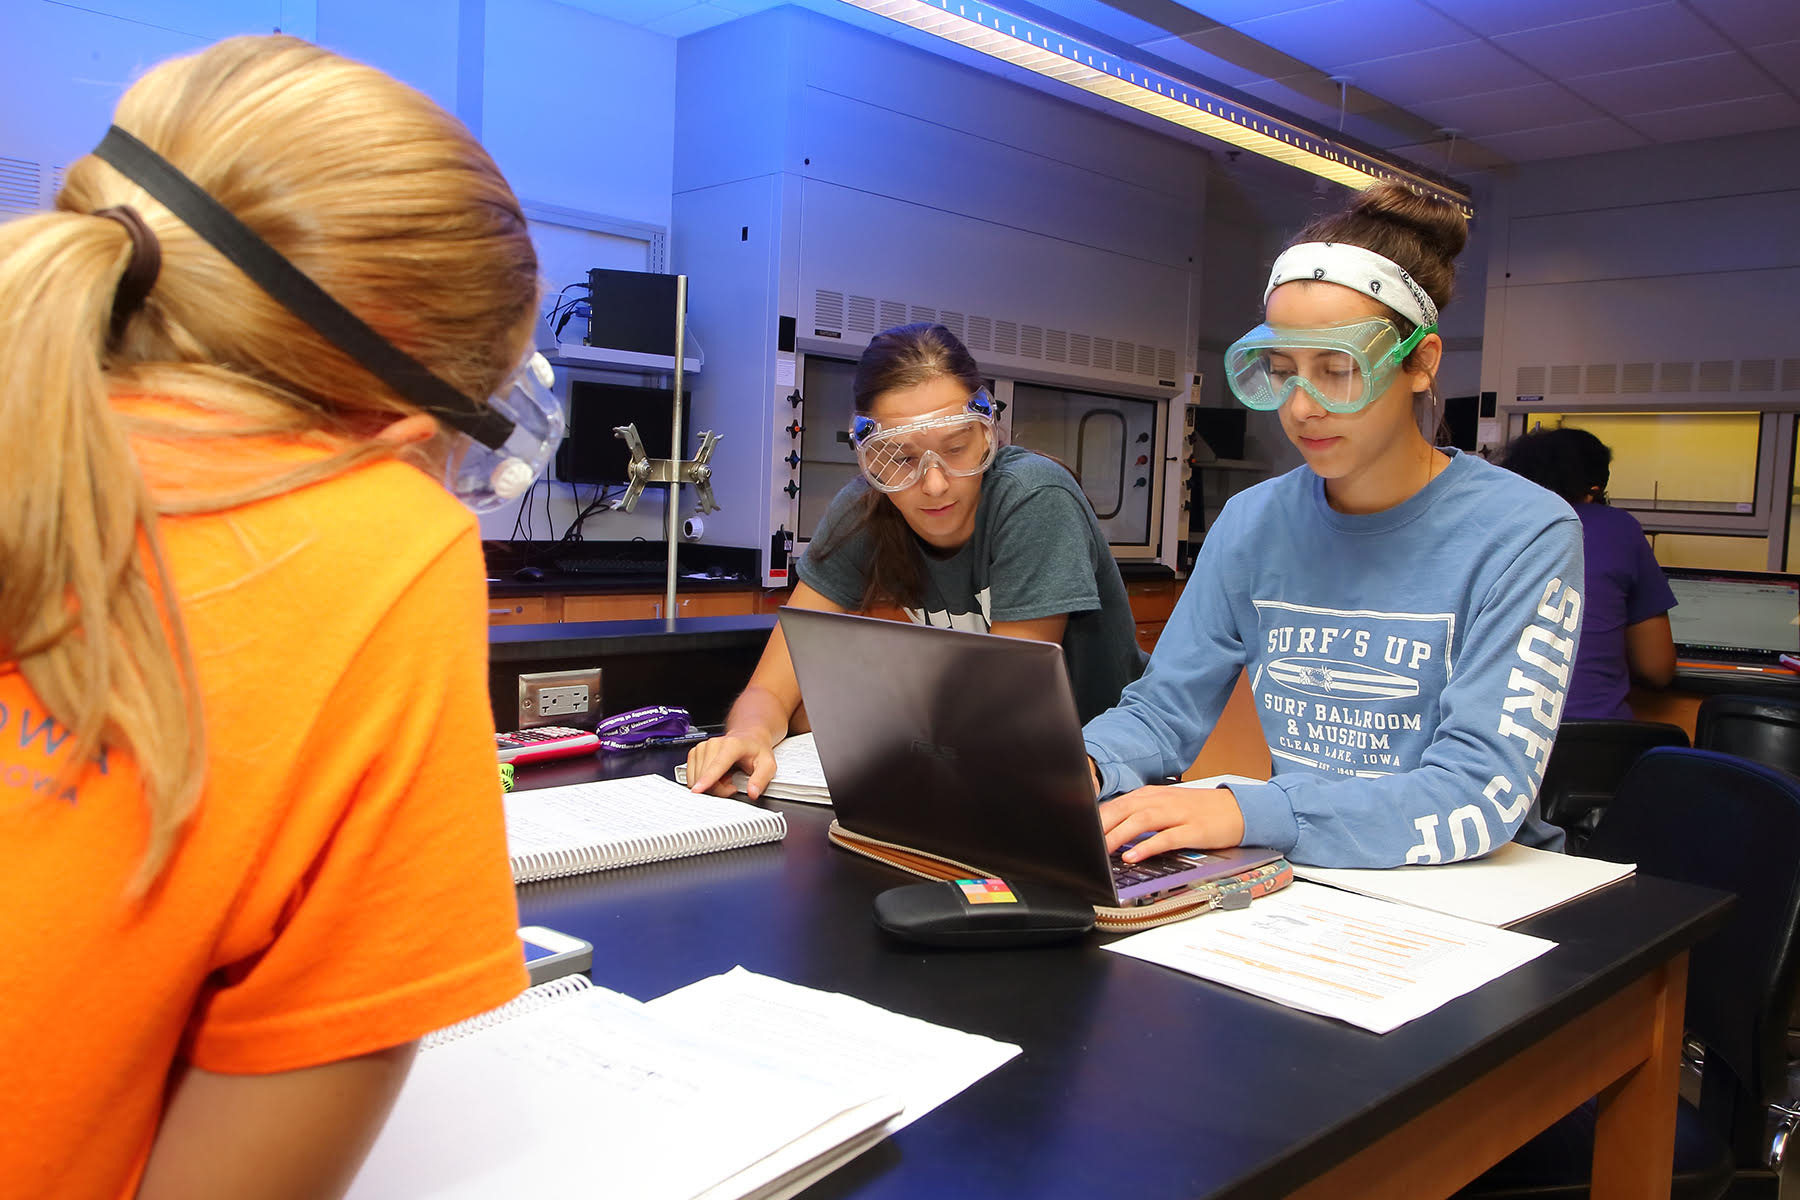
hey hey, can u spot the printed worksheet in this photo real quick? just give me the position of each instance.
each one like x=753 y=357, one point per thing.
x=1369 y=962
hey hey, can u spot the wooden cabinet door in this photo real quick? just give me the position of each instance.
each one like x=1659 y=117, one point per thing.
x=524 y=610
x=614 y=606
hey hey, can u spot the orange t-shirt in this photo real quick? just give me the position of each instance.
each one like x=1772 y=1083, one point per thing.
x=343 y=886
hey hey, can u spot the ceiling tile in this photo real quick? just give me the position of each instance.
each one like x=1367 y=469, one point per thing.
x=1346 y=31
x=1708 y=80
x=1489 y=113
x=691 y=19
x=1101 y=18
x=632 y=12
x=1659 y=33
x=1752 y=24
x=1183 y=53
x=1493 y=17
x=1165 y=15
x=1230 y=12
x=744 y=8
x=1564 y=141
x=1781 y=60
x=1443 y=73
x=1451 y=158
x=1777 y=111
x=1275 y=91
x=1266 y=62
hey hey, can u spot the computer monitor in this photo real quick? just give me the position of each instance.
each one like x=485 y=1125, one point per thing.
x=1734 y=612
x=591 y=452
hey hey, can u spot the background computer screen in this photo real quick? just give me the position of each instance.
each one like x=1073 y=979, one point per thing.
x=591 y=452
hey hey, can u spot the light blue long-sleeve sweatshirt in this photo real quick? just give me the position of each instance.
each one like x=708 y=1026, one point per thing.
x=1408 y=666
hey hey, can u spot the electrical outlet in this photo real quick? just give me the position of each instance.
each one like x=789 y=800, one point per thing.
x=558 y=697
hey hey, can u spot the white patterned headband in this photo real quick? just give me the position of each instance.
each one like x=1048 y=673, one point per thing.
x=1361 y=270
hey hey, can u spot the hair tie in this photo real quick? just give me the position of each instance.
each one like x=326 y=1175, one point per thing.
x=140 y=273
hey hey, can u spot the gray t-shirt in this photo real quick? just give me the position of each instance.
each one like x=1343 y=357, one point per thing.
x=1036 y=551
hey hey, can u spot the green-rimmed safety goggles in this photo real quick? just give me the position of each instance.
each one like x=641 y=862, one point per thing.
x=1343 y=367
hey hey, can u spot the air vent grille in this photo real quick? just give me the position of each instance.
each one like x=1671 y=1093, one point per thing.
x=1146 y=360
x=953 y=321
x=1031 y=341
x=1637 y=379
x=1080 y=347
x=18 y=186
x=1715 y=376
x=828 y=310
x=1103 y=353
x=1165 y=364
x=892 y=313
x=1675 y=377
x=1530 y=382
x=981 y=333
x=1790 y=374
x=1056 y=345
x=862 y=314
x=1006 y=338
x=1602 y=379
x=1565 y=381
x=1756 y=375
x=923 y=316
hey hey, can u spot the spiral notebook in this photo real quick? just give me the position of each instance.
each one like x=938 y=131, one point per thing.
x=576 y=1090
x=623 y=822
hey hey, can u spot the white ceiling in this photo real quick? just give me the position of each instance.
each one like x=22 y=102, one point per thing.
x=1516 y=80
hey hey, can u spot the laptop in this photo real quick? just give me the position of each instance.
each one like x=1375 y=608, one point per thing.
x=1734 y=620
x=967 y=745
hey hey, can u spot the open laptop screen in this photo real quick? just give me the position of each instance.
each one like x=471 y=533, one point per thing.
x=1728 y=612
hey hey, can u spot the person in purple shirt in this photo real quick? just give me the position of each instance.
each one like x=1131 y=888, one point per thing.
x=1625 y=627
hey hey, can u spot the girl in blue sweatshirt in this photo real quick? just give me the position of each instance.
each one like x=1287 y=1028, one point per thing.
x=1407 y=616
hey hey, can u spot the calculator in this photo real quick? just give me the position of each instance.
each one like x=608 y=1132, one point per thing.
x=545 y=742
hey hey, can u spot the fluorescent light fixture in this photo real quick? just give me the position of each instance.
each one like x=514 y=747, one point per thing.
x=1033 y=47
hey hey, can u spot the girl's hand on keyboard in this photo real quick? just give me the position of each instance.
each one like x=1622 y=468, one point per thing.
x=1177 y=817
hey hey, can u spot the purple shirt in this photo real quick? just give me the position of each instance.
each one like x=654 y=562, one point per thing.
x=1624 y=586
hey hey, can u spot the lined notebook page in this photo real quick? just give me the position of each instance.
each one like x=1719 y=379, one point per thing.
x=798 y=773
x=594 y=1095
x=622 y=822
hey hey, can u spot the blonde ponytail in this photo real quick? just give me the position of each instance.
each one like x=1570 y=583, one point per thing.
x=85 y=605
x=379 y=196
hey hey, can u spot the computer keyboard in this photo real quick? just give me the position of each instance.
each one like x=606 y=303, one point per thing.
x=606 y=566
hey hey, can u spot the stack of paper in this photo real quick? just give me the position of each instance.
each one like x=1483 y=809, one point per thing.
x=798 y=775
x=1500 y=888
x=736 y=1086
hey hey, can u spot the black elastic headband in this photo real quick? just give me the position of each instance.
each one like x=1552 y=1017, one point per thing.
x=294 y=291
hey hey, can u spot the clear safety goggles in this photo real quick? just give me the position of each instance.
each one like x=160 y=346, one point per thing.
x=486 y=477
x=1343 y=367
x=958 y=440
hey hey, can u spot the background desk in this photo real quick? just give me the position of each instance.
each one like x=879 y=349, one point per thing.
x=1679 y=703
x=1139 y=1081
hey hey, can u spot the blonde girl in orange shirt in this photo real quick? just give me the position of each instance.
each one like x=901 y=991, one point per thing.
x=250 y=836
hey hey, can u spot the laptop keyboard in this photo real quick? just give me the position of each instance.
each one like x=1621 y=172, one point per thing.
x=1127 y=874
x=1748 y=658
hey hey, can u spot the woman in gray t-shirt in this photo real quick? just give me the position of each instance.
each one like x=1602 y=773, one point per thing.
x=949 y=528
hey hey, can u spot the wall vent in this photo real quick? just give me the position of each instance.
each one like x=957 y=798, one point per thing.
x=1715 y=376
x=1756 y=375
x=1146 y=360
x=1602 y=379
x=892 y=313
x=1675 y=377
x=1637 y=379
x=1031 y=341
x=862 y=315
x=981 y=333
x=1056 y=346
x=1124 y=357
x=1565 y=380
x=1530 y=382
x=1080 y=346
x=1165 y=364
x=828 y=310
x=1790 y=374
x=19 y=186
x=923 y=316
x=1103 y=353
x=1006 y=338
x=951 y=320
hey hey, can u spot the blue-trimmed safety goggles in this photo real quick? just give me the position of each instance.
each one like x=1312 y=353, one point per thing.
x=958 y=440
x=1343 y=367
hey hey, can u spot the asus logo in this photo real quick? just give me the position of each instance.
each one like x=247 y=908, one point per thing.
x=933 y=750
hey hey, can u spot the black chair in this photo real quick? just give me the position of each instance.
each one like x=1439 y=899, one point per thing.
x=1765 y=729
x=1586 y=765
x=1722 y=822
